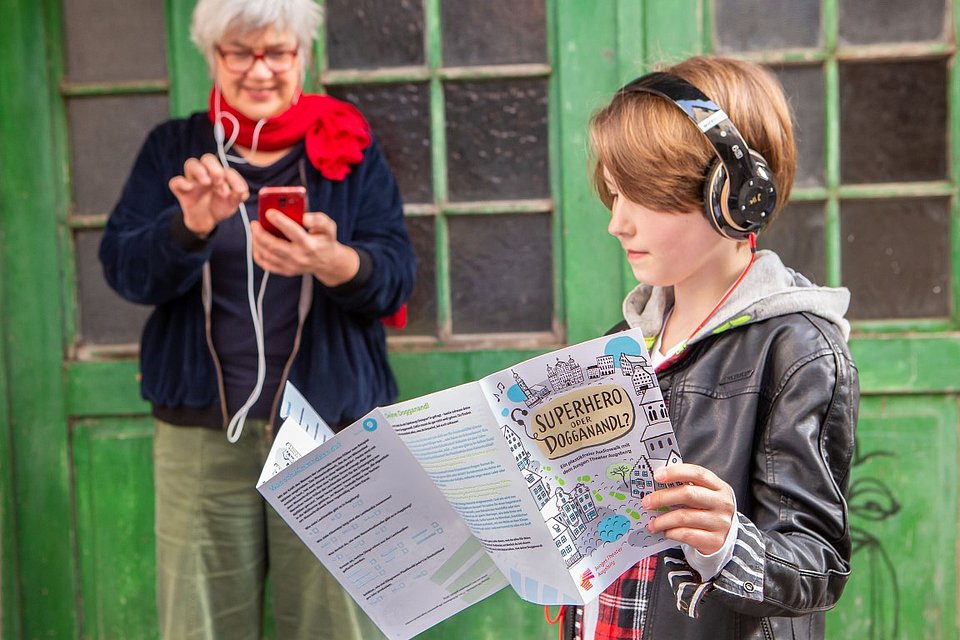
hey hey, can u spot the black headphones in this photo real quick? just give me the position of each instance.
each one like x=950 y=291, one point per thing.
x=739 y=190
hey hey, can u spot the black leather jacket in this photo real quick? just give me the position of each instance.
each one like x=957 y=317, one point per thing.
x=771 y=408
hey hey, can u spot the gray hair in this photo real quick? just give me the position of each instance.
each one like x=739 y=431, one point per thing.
x=212 y=19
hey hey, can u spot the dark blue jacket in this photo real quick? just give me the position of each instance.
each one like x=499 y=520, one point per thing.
x=149 y=257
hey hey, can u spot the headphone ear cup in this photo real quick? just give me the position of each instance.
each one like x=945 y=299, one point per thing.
x=715 y=190
x=737 y=224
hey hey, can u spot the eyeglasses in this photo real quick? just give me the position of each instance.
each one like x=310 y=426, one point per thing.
x=242 y=60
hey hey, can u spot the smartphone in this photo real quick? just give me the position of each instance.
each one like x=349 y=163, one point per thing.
x=290 y=201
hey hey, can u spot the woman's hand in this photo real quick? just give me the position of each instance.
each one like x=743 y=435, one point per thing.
x=702 y=507
x=207 y=193
x=313 y=249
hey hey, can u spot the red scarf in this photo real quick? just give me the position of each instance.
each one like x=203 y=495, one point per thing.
x=335 y=132
x=335 y=135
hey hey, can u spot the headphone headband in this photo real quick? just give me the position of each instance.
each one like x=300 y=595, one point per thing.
x=752 y=194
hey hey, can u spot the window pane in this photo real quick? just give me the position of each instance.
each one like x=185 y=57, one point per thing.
x=105 y=135
x=422 y=305
x=896 y=257
x=893 y=121
x=797 y=235
x=501 y=273
x=114 y=40
x=104 y=317
x=493 y=32
x=871 y=21
x=804 y=88
x=745 y=25
x=366 y=34
x=400 y=117
x=497 y=139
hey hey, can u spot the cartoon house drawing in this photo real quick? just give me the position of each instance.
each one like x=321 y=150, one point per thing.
x=628 y=363
x=673 y=458
x=520 y=454
x=532 y=396
x=564 y=375
x=585 y=503
x=661 y=447
x=569 y=512
x=641 y=478
x=539 y=489
x=603 y=368
x=655 y=412
x=561 y=538
x=642 y=380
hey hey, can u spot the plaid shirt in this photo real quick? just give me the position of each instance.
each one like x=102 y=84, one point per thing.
x=624 y=604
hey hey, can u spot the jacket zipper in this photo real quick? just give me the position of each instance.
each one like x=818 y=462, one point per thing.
x=767 y=631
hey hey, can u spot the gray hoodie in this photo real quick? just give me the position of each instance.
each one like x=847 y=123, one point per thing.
x=768 y=290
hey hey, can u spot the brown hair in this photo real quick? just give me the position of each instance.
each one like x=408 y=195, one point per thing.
x=659 y=158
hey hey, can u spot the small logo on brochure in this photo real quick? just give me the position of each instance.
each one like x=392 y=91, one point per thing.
x=585 y=579
x=370 y=424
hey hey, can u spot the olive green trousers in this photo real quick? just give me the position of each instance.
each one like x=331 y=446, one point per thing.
x=217 y=540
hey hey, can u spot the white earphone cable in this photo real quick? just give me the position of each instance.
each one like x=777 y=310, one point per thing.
x=235 y=427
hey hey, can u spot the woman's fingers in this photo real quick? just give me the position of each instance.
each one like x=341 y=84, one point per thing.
x=237 y=184
x=287 y=227
x=319 y=223
x=180 y=186
x=273 y=254
x=195 y=171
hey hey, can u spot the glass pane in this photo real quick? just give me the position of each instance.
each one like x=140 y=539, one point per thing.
x=400 y=117
x=365 y=34
x=797 y=235
x=896 y=257
x=105 y=135
x=746 y=25
x=422 y=305
x=893 y=121
x=493 y=32
x=501 y=277
x=104 y=317
x=871 y=21
x=114 y=40
x=804 y=88
x=497 y=139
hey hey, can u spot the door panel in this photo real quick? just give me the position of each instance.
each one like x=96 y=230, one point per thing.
x=112 y=465
x=903 y=514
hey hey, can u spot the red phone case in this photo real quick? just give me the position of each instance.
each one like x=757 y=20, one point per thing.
x=291 y=201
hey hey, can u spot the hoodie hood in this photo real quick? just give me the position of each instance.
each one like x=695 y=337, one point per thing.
x=769 y=289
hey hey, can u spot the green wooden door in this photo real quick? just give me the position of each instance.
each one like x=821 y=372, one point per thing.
x=76 y=548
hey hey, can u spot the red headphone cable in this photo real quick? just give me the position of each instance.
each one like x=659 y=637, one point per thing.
x=546 y=614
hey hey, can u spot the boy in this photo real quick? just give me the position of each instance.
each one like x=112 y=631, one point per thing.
x=750 y=355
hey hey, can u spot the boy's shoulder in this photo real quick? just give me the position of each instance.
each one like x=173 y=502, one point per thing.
x=781 y=344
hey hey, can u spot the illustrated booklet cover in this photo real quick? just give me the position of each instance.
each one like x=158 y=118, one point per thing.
x=531 y=477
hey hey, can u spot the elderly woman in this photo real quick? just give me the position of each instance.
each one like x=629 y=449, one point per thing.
x=184 y=237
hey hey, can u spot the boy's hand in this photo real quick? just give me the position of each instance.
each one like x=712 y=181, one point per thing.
x=702 y=507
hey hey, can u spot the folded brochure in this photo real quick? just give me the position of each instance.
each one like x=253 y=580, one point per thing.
x=531 y=477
